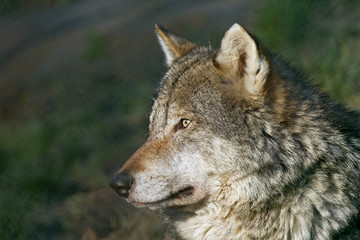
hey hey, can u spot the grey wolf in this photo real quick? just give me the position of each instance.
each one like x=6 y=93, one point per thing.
x=241 y=146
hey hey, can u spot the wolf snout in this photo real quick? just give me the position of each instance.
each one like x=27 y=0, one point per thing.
x=121 y=183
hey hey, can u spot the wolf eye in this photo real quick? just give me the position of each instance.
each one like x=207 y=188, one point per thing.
x=184 y=123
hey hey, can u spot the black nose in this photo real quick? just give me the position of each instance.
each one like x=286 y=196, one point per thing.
x=121 y=183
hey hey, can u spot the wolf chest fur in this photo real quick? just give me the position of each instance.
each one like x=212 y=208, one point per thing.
x=240 y=146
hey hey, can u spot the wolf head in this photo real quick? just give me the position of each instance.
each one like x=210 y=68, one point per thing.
x=240 y=147
x=212 y=128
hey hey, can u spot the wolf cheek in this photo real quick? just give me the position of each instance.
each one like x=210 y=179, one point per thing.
x=156 y=177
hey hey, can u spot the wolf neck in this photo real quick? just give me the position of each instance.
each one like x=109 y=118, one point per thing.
x=233 y=222
x=299 y=218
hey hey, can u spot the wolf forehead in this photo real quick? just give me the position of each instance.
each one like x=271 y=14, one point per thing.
x=202 y=83
x=190 y=78
x=188 y=90
x=238 y=69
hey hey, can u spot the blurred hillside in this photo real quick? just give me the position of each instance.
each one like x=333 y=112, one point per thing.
x=77 y=81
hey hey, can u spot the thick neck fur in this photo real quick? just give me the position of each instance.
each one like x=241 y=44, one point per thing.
x=304 y=215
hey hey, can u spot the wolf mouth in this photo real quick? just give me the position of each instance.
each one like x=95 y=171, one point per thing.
x=179 y=195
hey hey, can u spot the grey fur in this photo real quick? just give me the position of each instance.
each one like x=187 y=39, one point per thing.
x=282 y=163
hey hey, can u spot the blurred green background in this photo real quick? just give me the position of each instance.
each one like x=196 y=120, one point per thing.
x=77 y=78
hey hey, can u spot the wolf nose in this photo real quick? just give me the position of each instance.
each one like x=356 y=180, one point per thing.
x=121 y=183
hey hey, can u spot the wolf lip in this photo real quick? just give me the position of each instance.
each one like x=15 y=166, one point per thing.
x=181 y=194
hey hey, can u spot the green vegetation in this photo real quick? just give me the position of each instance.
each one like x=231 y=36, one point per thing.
x=96 y=47
x=322 y=37
x=46 y=161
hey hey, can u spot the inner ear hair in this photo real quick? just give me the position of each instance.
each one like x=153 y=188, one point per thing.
x=242 y=62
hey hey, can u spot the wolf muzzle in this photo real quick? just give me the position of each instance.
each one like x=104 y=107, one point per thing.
x=121 y=183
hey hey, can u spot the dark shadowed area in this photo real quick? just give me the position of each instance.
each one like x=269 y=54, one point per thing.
x=77 y=80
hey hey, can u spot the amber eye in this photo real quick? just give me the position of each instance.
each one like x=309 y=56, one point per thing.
x=184 y=123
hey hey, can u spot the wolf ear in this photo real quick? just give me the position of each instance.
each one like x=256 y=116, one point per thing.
x=240 y=62
x=173 y=45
